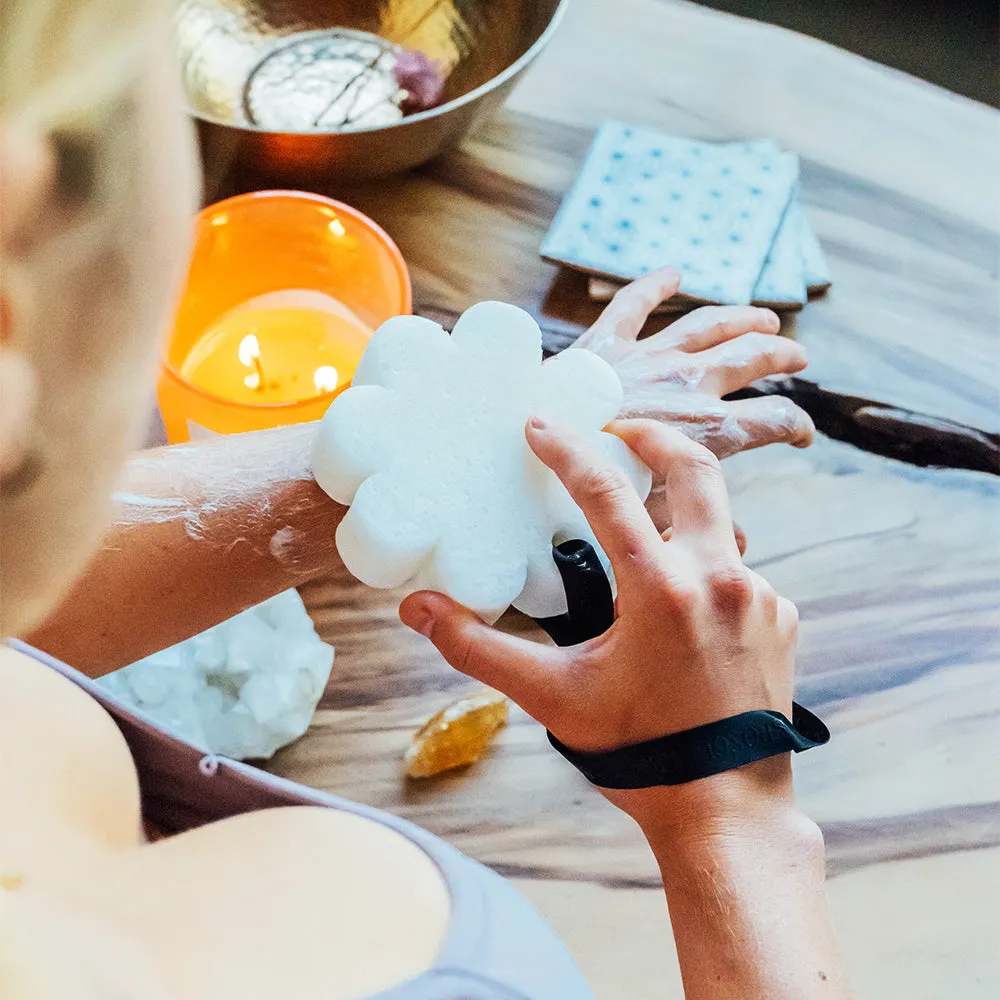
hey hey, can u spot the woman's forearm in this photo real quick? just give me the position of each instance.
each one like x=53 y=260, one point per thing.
x=199 y=532
x=744 y=884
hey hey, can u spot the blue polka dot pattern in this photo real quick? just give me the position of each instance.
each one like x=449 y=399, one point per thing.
x=723 y=212
x=782 y=278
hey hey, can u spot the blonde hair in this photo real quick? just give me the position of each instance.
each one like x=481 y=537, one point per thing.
x=62 y=62
x=68 y=74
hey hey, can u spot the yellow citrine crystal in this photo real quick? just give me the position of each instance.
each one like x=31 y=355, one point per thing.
x=458 y=735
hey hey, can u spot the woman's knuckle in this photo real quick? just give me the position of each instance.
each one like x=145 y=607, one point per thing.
x=699 y=460
x=788 y=617
x=666 y=590
x=729 y=586
x=764 y=346
x=632 y=299
x=678 y=598
x=602 y=484
x=733 y=324
x=646 y=429
x=648 y=300
x=790 y=420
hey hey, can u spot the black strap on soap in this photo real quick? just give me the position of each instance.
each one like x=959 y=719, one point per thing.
x=677 y=758
x=588 y=595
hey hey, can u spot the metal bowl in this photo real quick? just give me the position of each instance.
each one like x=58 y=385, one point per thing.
x=262 y=75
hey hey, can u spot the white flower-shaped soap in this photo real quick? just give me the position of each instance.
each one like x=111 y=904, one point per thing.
x=428 y=449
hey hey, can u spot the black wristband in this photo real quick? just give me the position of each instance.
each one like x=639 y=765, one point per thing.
x=679 y=757
x=700 y=752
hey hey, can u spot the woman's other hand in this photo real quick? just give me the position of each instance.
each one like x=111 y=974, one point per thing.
x=679 y=375
x=698 y=636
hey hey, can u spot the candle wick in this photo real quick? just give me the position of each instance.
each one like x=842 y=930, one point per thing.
x=259 y=368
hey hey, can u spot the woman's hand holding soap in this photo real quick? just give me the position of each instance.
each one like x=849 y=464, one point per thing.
x=697 y=637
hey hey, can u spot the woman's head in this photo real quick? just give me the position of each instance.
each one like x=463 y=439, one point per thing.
x=97 y=189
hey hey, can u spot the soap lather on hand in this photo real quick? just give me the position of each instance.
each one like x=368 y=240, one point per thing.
x=428 y=449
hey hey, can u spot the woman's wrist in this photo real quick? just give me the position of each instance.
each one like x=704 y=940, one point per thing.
x=755 y=797
x=745 y=888
x=750 y=812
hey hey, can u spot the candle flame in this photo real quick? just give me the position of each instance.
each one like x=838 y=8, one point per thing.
x=252 y=381
x=249 y=350
x=337 y=228
x=326 y=378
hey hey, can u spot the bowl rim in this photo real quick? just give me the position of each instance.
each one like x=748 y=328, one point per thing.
x=399 y=261
x=473 y=95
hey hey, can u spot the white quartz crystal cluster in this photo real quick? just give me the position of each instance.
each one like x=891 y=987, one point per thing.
x=241 y=689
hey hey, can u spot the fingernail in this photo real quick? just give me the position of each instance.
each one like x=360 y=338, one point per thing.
x=537 y=424
x=420 y=619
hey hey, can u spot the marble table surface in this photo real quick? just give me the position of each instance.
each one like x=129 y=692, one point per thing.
x=894 y=568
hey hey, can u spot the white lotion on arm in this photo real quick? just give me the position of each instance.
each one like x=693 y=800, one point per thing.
x=428 y=449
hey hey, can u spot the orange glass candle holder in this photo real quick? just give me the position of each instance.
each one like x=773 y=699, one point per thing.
x=283 y=291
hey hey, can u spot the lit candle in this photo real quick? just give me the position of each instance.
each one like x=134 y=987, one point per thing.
x=283 y=293
x=282 y=347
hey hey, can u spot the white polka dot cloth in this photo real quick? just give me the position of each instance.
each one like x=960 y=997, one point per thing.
x=727 y=215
